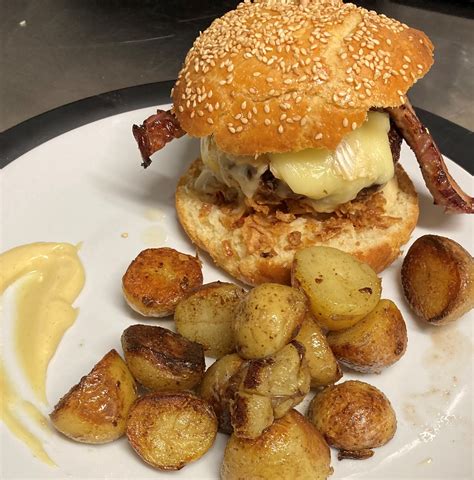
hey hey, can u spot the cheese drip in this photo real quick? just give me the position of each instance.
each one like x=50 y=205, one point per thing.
x=327 y=178
x=330 y=178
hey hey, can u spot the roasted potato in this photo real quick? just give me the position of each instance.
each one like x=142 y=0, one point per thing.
x=158 y=279
x=438 y=279
x=170 y=430
x=322 y=364
x=341 y=289
x=251 y=414
x=353 y=417
x=95 y=410
x=290 y=449
x=283 y=378
x=375 y=342
x=206 y=317
x=267 y=319
x=162 y=360
x=213 y=388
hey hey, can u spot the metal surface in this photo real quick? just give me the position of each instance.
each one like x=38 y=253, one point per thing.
x=54 y=52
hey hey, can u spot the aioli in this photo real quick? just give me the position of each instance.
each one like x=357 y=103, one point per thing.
x=53 y=278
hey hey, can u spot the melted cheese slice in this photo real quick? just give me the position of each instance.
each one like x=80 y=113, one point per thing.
x=330 y=178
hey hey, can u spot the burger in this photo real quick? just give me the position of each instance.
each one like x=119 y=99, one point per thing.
x=300 y=108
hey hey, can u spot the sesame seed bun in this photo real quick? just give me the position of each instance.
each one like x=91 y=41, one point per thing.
x=274 y=76
x=258 y=248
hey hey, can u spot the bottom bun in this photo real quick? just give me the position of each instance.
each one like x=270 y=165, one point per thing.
x=258 y=246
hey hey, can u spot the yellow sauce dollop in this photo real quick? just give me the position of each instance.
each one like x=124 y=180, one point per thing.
x=53 y=277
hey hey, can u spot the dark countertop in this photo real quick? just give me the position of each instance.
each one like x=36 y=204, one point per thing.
x=54 y=52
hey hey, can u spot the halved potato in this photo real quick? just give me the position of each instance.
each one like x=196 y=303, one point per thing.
x=290 y=449
x=95 y=410
x=268 y=318
x=162 y=360
x=353 y=417
x=214 y=388
x=206 y=317
x=341 y=289
x=438 y=279
x=283 y=378
x=170 y=430
x=158 y=279
x=323 y=366
x=375 y=342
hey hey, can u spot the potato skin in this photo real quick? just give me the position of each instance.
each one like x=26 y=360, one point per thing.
x=268 y=318
x=206 y=317
x=438 y=279
x=291 y=448
x=160 y=359
x=95 y=410
x=341 y=289
x=354 y=417
x=374 y=343
x=322 y=364
x=158 y=279
x=214 y=385
x=170 y=430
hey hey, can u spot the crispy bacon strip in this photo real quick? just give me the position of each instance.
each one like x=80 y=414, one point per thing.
x=155 y=132
x=446 y=192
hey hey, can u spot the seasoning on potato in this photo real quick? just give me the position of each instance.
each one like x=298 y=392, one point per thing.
x=95 y=410
x=341 y=289
x=291 y=448
x=323 y=366
x=374 y=343
x=158 y=279
x=214 y=388
x=354 y=417
x=268 y=318
x=206 y=317
x=438 y=279
x=160 y=359
x=170 y=430
x=283 y=378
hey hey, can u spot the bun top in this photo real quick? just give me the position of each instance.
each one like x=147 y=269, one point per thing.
x=277 y=76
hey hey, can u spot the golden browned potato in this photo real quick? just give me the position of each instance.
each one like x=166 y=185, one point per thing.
x=267 y=319
x=290 y=449
x=375 y=342
x=283 y=378
x=323 y=366
x=438 y=279
x=353 y=417
x=213 y=388
x=206 y=317
x=95 y=410
x=170 y=430
x=158 y=279
x=162 y=360
x=341 y=289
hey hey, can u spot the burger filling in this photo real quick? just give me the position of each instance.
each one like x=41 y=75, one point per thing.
x=325 y=179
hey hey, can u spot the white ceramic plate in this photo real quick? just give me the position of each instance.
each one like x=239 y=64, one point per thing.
x=87 y=186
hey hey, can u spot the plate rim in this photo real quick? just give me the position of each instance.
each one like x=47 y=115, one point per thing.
x=454 y=141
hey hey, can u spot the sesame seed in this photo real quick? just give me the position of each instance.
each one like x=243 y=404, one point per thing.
x=181 y=108
x=280 y=129
x=345 y=122
x=243 y=105
x=266 y=108
x=267 y=122
x=318 y=136
x=210 y=121
x=354 y=125
x=239 y=129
